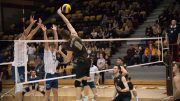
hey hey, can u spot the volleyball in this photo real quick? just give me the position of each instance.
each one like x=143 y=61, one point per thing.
x=66 y=8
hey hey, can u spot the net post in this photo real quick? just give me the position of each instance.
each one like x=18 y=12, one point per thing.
x=25 y=65
x=158 y=47
x=16 y=75
x=162 y=56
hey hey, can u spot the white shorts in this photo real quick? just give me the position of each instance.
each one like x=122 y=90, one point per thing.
x=18 y=88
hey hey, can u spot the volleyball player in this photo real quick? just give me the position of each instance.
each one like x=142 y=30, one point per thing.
x=132 y=88
x=122 y=92
x=50 y=64
x=20 y=60
x=176 y=82
x=77 y=50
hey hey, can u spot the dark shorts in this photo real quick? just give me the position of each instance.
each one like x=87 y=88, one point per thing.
x=91 y=84
x=51 y=83
x=82 y=68
x=122 y=98
x=177 y=100
x=21 y=71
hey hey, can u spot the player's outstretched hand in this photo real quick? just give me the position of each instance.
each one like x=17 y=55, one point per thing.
x=43 y=28
x=54 y=27
x=32 y=19
x=59 y=11
x=39 y=22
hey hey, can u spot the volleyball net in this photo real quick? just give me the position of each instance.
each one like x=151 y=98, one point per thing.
x=134 y=51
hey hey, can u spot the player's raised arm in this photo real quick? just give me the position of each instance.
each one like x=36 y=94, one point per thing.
x=67 y=58
x=46 y=44
x=23 y=36
x=33 y=32
x=70 y=27
x=54 y=28
x=28 y=29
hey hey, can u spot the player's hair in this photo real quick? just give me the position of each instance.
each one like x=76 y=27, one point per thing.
x=178 y=65
x=65 y=34
x=119 y=68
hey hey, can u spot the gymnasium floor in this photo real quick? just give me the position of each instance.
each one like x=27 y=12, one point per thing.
x=67 y=93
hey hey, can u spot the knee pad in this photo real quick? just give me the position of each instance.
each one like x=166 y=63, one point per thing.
x=77 y=83
x=84 y=82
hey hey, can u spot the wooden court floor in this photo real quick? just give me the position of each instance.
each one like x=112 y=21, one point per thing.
x=105 y=93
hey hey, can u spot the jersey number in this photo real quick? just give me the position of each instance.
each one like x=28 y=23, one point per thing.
x=78 y=45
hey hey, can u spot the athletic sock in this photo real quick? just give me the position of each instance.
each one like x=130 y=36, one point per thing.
x=85 y=98
x=78 y=100
x=137 y=99
x=93 y=99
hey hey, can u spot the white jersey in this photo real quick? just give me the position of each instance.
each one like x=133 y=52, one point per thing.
x=92 y=75
x=20 y=54
x=50 y=62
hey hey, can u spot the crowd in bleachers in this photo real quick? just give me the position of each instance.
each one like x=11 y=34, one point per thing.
x=92 y=19
x=164 y=22
x=136 y=54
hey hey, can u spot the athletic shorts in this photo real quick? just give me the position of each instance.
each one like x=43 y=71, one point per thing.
x=122 y=98
x=51 y=83
x=91 y=84
x=82 y=68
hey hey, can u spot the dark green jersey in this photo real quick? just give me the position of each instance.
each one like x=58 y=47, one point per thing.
x=75 y=44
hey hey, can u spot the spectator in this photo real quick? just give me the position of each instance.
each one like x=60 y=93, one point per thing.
x=32 y=87
x=101 y=64
x=31 y=52
x=173 y=39
x=138 y=55
x=150 y=53
x=40 y=50
x=129 y=59
x=89 y=50
x=149 y=31
x=94 y=53
x=94 y=34
x=39 y=67
x=156 y=30
x=108 y=61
